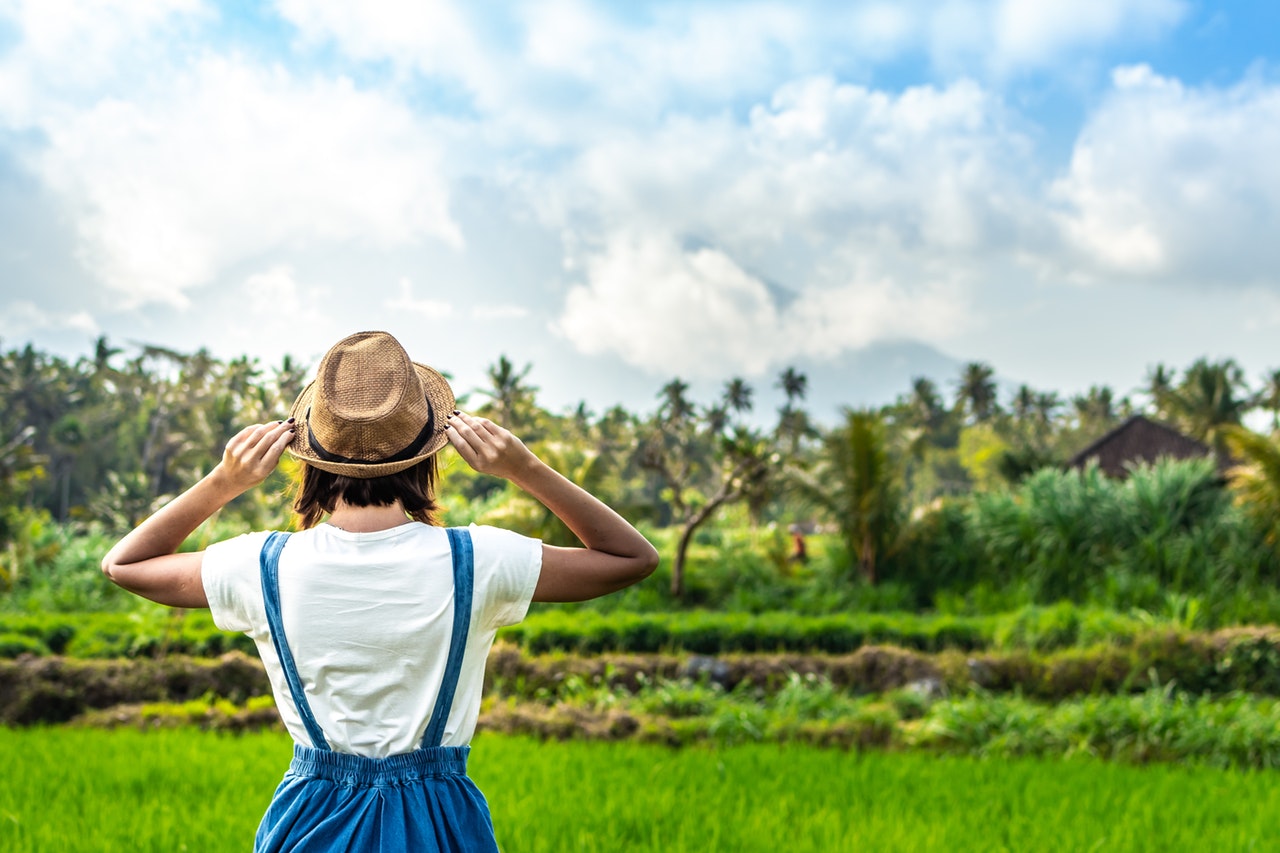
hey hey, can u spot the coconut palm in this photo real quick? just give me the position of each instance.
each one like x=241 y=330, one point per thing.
x=700 y=462
x=1211 y=397
x=675 y=406
x=1256 y=478
x=857 y=483
x=976 y=395
x=1047 y=404
x=925 y=410
x=511 y=398
x=794 y=425
x=1096 y=409
x=1024 y=403
x=737 y=396
x=794 y=384
x=287 y=381
x=1160 y=384
x=1269 y=397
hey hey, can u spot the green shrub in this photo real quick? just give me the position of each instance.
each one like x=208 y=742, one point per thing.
x=13 y=644
x=1157 y=725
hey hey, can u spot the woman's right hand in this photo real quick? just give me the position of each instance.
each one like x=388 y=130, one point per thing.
x=489 y=448
x=253 y=453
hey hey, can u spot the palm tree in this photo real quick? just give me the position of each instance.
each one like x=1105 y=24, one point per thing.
x=737 y=396
x=18 y=459
x=1095 y=410
x=102 y=355
x=288 y=381
x=1256 y=479
x=924 y=406
x=675 y=406
x=794 y=384
x=793 y=422
x=976 y=394
x=1211 y=397
x=1024 y=402
x=1269 y=397
x=1160 y=382
x=512 y=400
x=717 y=418
x=702 y=461
x=857 y=484
x=1046 y=406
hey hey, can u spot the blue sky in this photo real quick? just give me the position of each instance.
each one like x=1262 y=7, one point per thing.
x=1070 y=190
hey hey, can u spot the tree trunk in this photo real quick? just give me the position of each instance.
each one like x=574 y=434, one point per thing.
x=686 y=536
x=677 y=565
x=867 y=559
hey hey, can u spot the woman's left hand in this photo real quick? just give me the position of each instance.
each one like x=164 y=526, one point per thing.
x=146 y=561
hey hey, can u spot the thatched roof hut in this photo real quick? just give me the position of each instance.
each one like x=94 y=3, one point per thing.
x=1136 y=441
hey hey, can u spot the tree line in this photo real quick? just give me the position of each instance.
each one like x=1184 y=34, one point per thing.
x=102 y=439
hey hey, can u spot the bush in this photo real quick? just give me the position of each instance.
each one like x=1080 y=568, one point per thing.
x=12 y=645
x=1168 y=534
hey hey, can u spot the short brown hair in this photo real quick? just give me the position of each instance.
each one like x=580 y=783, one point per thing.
x=319 y=492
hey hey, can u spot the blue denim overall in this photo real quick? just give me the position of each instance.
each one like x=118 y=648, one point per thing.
x=420 y=801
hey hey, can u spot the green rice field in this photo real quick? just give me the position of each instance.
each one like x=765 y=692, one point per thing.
x=80 y=789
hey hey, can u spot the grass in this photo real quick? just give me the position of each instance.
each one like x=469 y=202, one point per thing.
x=186 y=790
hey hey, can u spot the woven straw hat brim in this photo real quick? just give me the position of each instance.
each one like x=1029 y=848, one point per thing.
x=439 y=397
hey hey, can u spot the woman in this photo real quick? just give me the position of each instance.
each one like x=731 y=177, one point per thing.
x=374 y=626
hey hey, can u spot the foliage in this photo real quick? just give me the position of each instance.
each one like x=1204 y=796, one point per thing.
x=1211 y=398
x=710 y=458
x=1256 y=478
x=855 y=482
x=156 y=630
x=114 y=438
x=89 y=446
x=1167 y=534
x=511 y=399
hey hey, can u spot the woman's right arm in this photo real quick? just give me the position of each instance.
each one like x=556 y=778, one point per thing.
x=615 y=556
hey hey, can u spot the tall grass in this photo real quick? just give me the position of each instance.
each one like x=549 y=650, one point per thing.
x=183 y=790
x=1168 y=535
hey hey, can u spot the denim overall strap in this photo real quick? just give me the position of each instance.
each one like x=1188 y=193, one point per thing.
x=270 y=563
x=463 y=569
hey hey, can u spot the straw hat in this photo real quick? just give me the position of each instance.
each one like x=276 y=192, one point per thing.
x=370 y=410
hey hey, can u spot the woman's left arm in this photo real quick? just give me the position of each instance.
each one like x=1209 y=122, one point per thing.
x=145 y=561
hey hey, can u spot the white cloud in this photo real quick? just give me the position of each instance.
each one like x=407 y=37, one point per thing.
x=939 y=167
x=713 y=49
x=697 y=313
x=1004 y=37
x=1031 y=33
x=405 y=301
x=233 y=160
x=1177 y=183
x=434 y=37
x=23 y=318
x=692 y=313
x=832 y=217
x=74 y=46
x=275 y=292
x=724 y=199
x=559 y=72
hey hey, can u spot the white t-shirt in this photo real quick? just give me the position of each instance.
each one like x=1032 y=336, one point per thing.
x=368 y=617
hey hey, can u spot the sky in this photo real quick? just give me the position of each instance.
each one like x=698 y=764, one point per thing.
x=618 y=194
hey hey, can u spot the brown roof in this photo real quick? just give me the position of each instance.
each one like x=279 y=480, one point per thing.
x=1136 y=441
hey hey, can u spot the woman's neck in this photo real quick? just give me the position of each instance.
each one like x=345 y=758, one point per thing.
x=367 y=519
